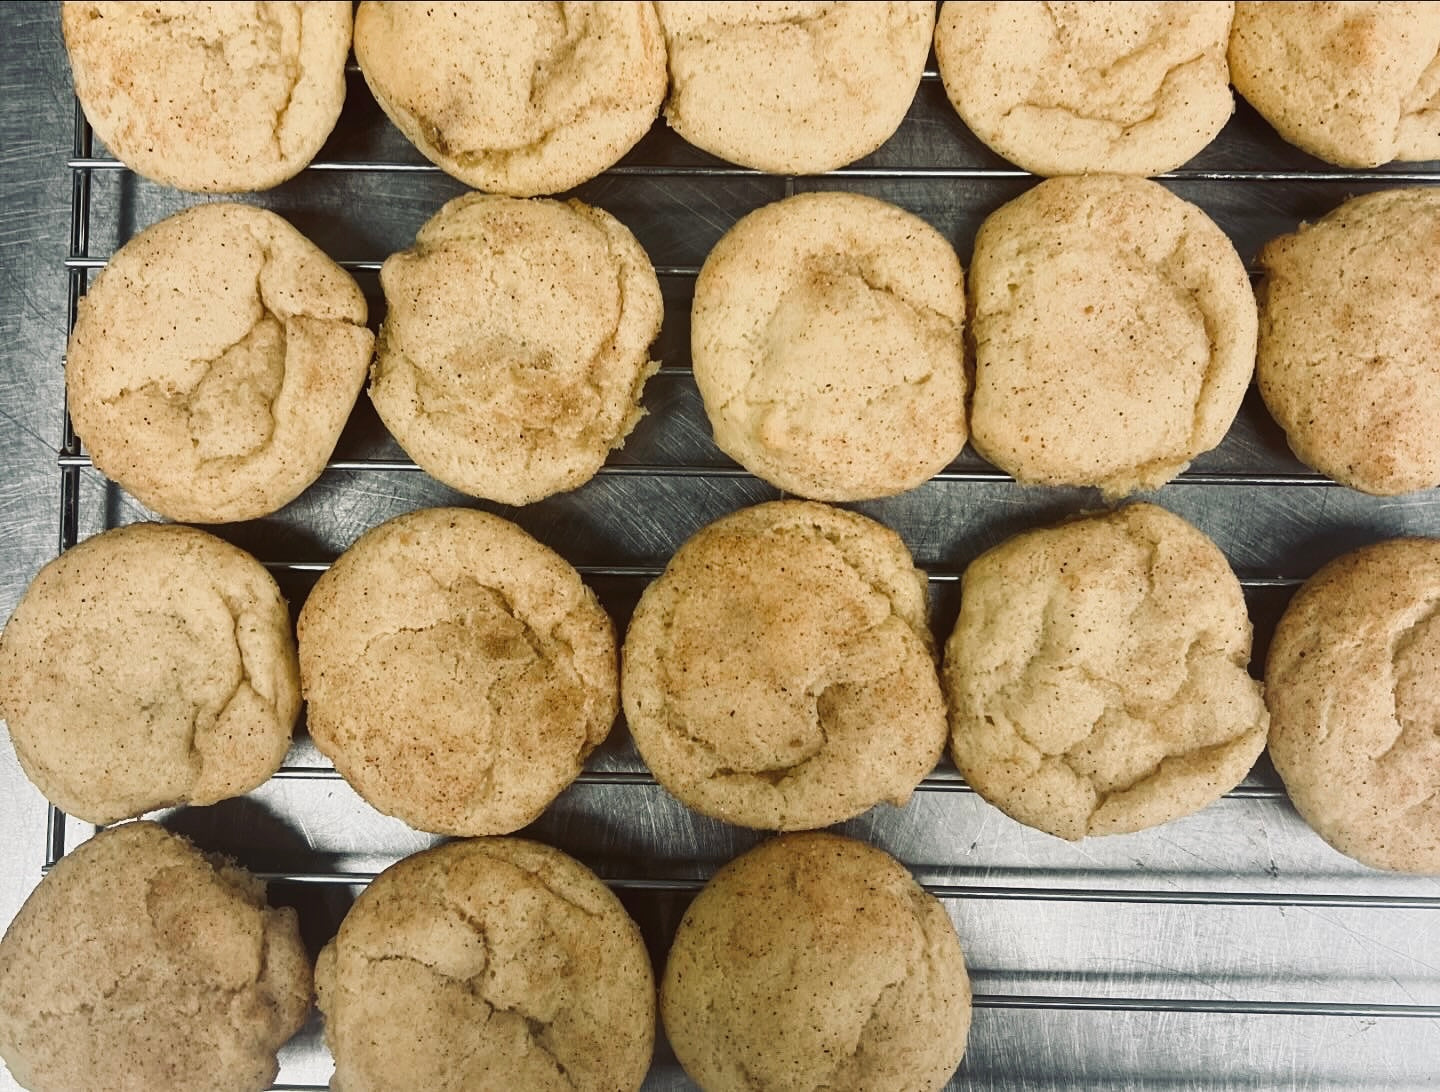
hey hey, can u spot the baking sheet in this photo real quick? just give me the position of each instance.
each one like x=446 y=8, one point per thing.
x=1229 y=949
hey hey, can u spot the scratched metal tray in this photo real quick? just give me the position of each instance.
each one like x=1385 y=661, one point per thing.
x=1229 y=949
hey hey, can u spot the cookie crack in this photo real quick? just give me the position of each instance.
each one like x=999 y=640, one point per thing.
x=1145 y=714
x=1118 y=130
x=857 y=1048
x=293 y=70
x=538 y=639
x=450 y=409
x=88 y=1007
x=840 y=265
x=826 y=680
x=182 y=27
x=1413 y=102
x=537 y=1030
x=184 y=400
x=1426 y=615
x=556 y=69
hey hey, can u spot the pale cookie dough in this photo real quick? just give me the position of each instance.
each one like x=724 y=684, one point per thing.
x=141 y=965
x=793 y=88
x=780 y=674
x=515 y=98
x=456 y=671
x=1353 y=683
x=516 y=344
x=494 y=963
x=149 y=666
x=1349 y=358
x=1076 y=88
x=215 y=362
x=827 y=341
x=1356 y=84
x=816 y=962
x=219 y=98
x=1097 y=675
x=1114 y=330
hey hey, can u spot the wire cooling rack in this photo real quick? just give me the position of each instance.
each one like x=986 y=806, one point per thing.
x=1245 y=495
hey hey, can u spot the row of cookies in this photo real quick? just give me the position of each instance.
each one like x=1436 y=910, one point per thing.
x=1142 y=88
x=1108 y=326
x=1112 y=328
x=780 y=674
x=528 y=99
x=521 y=99
x=140 y=963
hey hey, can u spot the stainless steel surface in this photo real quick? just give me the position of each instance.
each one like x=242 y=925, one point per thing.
x=1229 y=949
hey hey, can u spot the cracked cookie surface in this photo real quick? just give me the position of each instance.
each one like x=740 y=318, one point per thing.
x=219 y=98
x=140 y=965
x=149 y=666
x=1350 y=337
x=516 y=344
x=815 y=962
x=826 y=336
x=1357 y=84
x=1353 y=684
x=488 y=963
x=521 y=99
x=1097 y=675
x=456 y=671
x=1114 y=330
x=793 y=88
x=1078 y=88
x=215 y=362
x=780 y=673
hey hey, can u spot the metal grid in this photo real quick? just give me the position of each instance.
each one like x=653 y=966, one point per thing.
x=84 y=164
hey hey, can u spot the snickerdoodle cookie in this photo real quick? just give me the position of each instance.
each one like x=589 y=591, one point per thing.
x=816 y=962
x=793 y=88
x=215 y=362
x=1356 y=84
x=1349 y=357
x=780 y=673
x=517 y=98
x=515 y=345
x=1076 y=88
x=456 y=671
x=1353 y=684
x=488 y=963
x=1114 y=330
x=213 y=97
x=142 y=965
x=827 y=342
x=149 y=666
x=1097 y=675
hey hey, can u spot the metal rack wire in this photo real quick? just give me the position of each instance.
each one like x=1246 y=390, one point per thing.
x=80 y=263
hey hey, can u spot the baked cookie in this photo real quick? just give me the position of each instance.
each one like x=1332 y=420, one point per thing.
x=149 y=666
x=1349 y=355
x=141 y=965
x=1353 y=684
x=793 y=88
x=780 y=673
x=1076 y=88
x=826 y=336
x=456 y=671
x=516 y=344
x=1097 y=675
x=1114 y=330
x=489 y=963
x=515 y=98
x=815 y=961
x=1356 y=84
x=214 y=363
x=219 y=98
